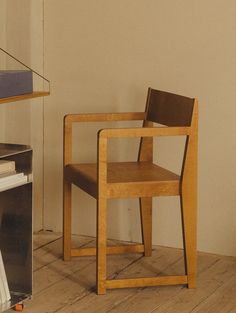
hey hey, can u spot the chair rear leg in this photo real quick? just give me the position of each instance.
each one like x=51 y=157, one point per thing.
x=101 y=245
x=67 y=221
x=189 y=223
x=146 y=224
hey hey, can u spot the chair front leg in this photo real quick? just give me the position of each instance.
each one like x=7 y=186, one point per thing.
x=101 y=245
x=66 y=221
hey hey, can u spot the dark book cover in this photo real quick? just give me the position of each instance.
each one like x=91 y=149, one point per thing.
x=15 y=82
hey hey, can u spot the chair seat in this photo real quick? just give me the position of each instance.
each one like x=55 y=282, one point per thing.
x=125 y=179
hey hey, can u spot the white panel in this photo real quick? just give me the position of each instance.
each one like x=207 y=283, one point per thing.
x=24 y=120
x=2 y=62
x=36 y=33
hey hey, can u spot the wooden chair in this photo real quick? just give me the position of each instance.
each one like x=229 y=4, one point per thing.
x=142 y=179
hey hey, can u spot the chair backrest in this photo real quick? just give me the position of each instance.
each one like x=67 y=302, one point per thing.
x=169 y=109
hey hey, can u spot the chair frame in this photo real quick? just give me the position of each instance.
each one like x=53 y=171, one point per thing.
x=187 y=192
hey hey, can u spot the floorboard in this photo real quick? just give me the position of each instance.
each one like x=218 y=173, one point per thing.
x=69 y=287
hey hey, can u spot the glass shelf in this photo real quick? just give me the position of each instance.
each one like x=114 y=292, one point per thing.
x=34 y=94
x=19 y=81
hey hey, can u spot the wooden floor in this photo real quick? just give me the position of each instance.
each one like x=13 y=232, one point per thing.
x=68 y=287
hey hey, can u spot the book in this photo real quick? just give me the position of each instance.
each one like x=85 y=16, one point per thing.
x=13 y=181
x=4 y=289
x=7 y=166
x=15 y=82
x=10 y=177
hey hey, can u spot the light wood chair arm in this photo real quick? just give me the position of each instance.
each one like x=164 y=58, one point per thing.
x=105 y=134
x=144 y=132
x=104 y=117
x=69 y=119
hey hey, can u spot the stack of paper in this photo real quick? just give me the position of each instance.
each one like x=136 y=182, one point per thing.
x=4 y=289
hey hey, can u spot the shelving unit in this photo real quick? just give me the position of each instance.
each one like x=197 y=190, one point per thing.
x=16 y=227
x=16 y=210
x=17 y=64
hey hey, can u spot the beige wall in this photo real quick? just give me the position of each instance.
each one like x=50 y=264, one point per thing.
x=22 y=36
x=101 y=56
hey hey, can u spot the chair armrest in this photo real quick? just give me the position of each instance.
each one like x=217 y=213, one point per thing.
x=144 y=132
x=104 y=117
x=104 y=134
x=69 y=119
